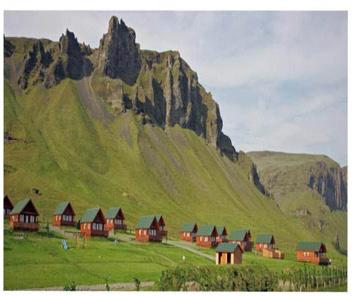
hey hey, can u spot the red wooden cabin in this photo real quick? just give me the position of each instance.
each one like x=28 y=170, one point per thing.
x=229 y=253
x=8 y=206
x=265 y=241
x=188 y=232
x=206 y=236
x=242 y=237
x=314 y=252
x=162 y=228
x=64 y=215
x=92 y=223
x=222 y=234
x=115 y=219
x=147 y=230
x=24 y=216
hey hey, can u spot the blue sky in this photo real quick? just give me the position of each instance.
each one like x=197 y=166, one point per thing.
x=280 y=78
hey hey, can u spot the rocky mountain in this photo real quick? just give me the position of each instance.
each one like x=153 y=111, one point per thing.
x=159 y=86
x=284 y=172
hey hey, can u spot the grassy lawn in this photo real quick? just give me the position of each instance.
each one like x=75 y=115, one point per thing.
x=39 y=261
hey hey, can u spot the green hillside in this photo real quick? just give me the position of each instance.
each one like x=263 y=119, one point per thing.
x=63 y=151
x=287 y=176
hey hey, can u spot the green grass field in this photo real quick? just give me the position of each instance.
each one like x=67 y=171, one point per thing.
x=39 y=261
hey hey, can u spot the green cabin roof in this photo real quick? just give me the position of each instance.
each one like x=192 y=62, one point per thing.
x=61 y=208
x=112 y=212
x=227 y=247
x=220 y=229
x=205 y=230
x=188 y=227
x=264 y=238
x=90 y=215
x=238 y=235
x=18 y=208
x=309 y=246
x=145 y=222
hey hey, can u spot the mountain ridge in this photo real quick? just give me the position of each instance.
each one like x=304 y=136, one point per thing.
x=319 y=173
x=161 y=86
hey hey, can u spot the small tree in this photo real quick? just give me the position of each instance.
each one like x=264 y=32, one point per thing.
x=107 y=287
x=137 y=284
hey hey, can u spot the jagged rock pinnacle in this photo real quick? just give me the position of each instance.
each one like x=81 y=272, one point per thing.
x=119 y=54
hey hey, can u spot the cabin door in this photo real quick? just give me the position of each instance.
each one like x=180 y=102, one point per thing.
x=229 y=258
x=224 y=258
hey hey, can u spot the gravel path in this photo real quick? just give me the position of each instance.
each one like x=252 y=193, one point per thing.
x=189 y=248
x=113 y=287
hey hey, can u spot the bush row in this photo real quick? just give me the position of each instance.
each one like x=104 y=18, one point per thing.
x=255 y=277
x=309 y=278
x=187 y=277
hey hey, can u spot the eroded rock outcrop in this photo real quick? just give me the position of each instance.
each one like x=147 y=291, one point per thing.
x=290 y=176
x=8 y=48
x=330 y=182
x=119 y=55
x=161 y=87
x=36 y=63
x=58 y=61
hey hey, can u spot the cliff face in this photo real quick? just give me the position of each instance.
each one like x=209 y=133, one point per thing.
x=284 y=173
x=161 y=87
x=329 y=182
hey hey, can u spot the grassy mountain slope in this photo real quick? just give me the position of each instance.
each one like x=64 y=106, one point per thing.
x=68 y=154
x=286 y=177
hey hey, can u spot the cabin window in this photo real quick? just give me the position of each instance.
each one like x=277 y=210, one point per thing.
x=188 y=234
x=213 y=238
x=205 y=239
x=152 y=232
x=22 y=218
x=32 y=219
x=118 y=221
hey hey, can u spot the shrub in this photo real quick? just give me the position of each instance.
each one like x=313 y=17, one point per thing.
x=218 y=278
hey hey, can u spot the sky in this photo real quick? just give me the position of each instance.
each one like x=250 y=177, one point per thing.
x=280 y=78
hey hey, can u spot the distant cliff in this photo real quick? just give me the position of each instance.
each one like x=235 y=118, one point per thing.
x=285 y=173
x=159 y=86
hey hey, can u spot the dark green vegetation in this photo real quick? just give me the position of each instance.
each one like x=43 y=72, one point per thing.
x=253 y=277
x=311 y=188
